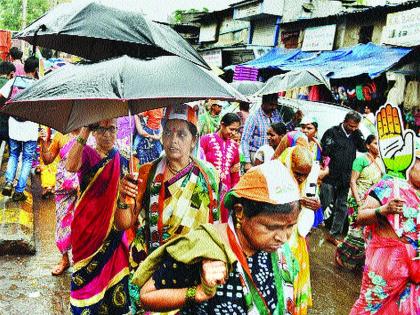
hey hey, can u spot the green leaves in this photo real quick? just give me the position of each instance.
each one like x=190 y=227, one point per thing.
x=11 y=12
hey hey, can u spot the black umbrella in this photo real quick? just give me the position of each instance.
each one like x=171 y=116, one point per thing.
x=78 y=95
x=96 y=32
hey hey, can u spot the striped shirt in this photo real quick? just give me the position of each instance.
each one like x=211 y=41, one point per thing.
x=254 y=135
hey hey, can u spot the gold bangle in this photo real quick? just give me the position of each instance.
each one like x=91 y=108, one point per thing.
x=208 y=290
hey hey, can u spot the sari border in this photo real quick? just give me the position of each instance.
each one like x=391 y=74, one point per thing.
x=96 y=298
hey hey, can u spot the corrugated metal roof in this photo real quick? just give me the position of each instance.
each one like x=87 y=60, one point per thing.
x=353 y=10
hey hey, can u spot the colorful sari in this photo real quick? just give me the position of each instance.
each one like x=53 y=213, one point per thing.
x=66 y=190
x=391 y=277
x=223 y=154
x=171 y=208
x=352 y=250
x=99 y=283
x=302 y=289
x=257 y=284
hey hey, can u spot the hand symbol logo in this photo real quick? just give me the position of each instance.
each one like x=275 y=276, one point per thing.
x=396 y=145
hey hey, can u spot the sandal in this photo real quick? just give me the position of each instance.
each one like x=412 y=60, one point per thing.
x=60 y=268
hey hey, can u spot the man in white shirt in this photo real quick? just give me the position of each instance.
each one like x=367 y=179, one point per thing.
x=23 y=134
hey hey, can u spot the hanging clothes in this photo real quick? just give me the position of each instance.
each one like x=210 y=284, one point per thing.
x=412 y=95
x=396 y=94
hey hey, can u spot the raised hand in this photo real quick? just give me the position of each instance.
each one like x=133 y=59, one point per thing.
x=396 y=145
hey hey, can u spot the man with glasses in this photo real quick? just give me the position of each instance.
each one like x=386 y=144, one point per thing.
x=255 y=130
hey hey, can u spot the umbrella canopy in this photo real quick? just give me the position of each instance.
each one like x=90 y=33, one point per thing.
x=247 y=88
x=97 y=32
x=294 y=79
x=77 y=95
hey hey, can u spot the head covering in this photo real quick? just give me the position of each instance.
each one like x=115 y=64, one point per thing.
x=182 y=112
x=270 y=182
x=308 y=120
x=222 y=104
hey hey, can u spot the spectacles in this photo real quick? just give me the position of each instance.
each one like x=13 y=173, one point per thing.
x=102 y=130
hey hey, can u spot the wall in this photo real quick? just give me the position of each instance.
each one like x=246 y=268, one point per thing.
x=264 y=31
x=352 y=32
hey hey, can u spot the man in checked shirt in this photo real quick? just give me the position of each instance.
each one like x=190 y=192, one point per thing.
x=255 y=130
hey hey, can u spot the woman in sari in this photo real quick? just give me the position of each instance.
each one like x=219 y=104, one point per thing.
x=236 y=267
x=299 y=161
x=149 y=132
x=223 y=152
x=309 y=128
x=66 y=190
x=367 y=171
x=99 y=283
x=175 y=193
x=391 y=276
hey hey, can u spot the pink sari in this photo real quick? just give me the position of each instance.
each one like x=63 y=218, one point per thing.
x=391 y=278
x=100 y=252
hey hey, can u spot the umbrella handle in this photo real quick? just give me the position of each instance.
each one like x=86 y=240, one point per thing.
x=43 y=28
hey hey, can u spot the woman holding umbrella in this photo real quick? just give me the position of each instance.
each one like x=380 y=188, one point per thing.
x=99 y=283
x=175 y=193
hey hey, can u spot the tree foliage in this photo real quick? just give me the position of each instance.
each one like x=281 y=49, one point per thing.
x=178 y=15
x=11 y=12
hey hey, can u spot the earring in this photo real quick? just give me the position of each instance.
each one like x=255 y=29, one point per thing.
x=238 y=224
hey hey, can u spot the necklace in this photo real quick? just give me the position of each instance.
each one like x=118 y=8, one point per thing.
x=174 y=171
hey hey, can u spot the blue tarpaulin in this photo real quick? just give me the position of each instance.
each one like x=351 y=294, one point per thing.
x=349 y=62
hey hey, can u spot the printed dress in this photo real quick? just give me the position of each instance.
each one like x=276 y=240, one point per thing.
x=66 y=190
x=391 y=277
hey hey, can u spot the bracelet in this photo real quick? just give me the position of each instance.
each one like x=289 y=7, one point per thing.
x=80 y=140
x=121 y=204
x=208 y=290
x=190 y=296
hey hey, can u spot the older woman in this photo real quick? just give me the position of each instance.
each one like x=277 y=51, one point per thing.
x=367 y=171
x=233 y=268
x=99 y=283
x=223 y=152
x=391 y=276
x=299 y=162
x=176 y=193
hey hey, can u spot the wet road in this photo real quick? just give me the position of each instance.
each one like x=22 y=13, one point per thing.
x=27 y=287
x=26 y=284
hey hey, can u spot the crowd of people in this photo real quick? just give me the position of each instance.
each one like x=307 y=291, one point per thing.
x=172 y=211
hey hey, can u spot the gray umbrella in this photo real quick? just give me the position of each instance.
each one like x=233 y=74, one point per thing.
x=97 y=32
x=78 y=95
x=294 y=79
x=247 y=88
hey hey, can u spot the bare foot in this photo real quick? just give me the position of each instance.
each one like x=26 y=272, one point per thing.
x=62 y=266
